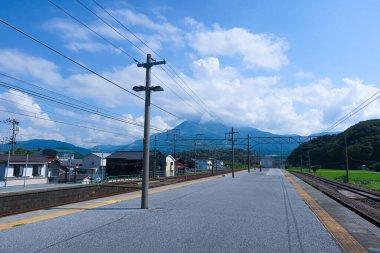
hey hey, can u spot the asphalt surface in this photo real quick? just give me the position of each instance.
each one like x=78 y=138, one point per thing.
x=253 y=212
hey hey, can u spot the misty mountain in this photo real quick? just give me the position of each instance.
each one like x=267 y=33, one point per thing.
x=36 y=144
x=186 y=136
x=189 y=136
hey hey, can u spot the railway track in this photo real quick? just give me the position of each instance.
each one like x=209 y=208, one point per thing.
x=362 y=201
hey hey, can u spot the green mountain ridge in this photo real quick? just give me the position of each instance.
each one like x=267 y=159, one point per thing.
x=328 y=151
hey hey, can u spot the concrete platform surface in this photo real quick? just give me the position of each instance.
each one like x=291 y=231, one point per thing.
x=254 y=212
x=367 y=234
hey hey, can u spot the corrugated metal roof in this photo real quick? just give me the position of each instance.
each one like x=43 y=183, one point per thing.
x=22 y=159
x=61 y=150
x=104 y=155
x=129 y=155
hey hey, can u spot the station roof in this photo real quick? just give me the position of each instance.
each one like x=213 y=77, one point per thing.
x=22 y=159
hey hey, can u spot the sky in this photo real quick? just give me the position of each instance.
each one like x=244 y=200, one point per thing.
x=287 y=67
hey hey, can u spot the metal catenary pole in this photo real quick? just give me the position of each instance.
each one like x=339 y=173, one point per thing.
x=249 y=155
x=233 y=151
x=26 y=168
x=7 y=169
x=14 y=130
x=345 y=142
x=155 y=157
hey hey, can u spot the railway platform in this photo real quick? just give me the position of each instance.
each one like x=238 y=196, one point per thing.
x=254 y=212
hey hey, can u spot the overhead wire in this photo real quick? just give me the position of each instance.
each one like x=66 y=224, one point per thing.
x=354 y=111
x=39 y=113
x=55 y=100
x=137 y=37
x=62 y=122
x=97 y=109
x=83 y=66
x=118 y=48
x=81 y=102
x=168 y=64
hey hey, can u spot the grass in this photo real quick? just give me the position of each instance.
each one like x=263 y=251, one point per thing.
x=363 y=178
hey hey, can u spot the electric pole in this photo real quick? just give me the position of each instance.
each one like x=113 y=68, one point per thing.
x=308 y=154
x=15 y=129
x=233 y=150
x=301 y=161
x=148 y=89
x=249 y=155
x=174 y=133
x=345 y=142
x=155 y=157
x=281 y=158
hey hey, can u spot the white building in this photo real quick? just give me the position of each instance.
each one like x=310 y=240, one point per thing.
x=203 y=164
x=219 y=164
x=28 y=169
x=266 y=162
x=170 y=166
x=96 y=162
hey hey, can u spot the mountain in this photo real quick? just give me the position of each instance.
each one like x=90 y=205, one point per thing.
x=36 y=144
x=328 y=151
x=186 y=133
x=107 y=148
x=185 y=137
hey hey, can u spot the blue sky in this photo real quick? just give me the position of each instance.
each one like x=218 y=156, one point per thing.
x=280 y=66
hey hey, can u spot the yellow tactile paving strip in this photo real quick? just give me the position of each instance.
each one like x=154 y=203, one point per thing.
x=342 y=237
x=95 y=205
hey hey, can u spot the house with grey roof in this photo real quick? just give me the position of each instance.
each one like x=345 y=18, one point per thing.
x=131 y=163
x=59 y=154
x=96 y=162
x=17 y=169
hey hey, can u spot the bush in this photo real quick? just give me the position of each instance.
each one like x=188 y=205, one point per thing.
x=375 y=166
x=315 y=168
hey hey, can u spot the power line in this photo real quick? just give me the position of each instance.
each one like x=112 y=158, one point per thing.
x=62 y=95
x=59 y=94
x=201 y=103
x=83 y=66
x=39 y=114
x=62 y=122
x=123 y=50
x=113 y=45
x=122 y=35
x=357 y=109
x=55 y=100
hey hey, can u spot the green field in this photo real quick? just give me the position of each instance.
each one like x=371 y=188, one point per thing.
x=363 y=178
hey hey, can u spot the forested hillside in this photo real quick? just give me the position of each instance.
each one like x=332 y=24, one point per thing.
x=363 y=148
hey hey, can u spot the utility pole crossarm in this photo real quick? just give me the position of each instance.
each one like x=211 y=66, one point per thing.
x=150 y=64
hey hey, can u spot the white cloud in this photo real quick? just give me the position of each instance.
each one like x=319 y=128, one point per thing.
x=36 y=125
x=137 y=19
x=304 y=75
x=263 y=102
x=80 y=38
x=256 y=50
x=15 y=61
x=68 y=29
x=193 y=23
x=86 y=46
